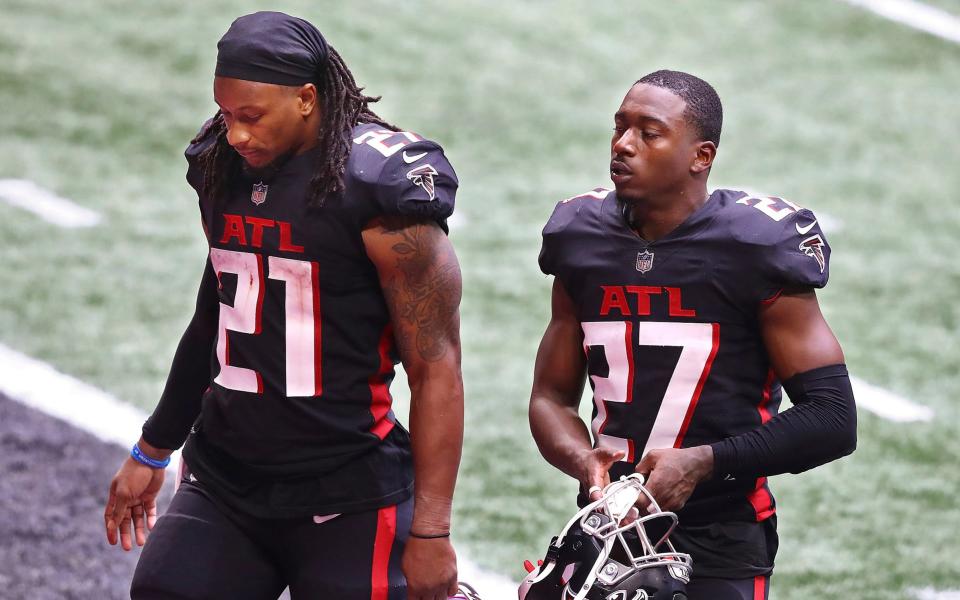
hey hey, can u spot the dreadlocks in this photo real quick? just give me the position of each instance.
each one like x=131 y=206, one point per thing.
x=344 y=107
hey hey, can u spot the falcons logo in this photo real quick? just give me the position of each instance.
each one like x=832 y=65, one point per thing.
x=813 y=247
x=423 y=176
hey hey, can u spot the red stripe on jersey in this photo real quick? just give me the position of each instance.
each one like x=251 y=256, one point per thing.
x=260 y=295
x=772 y=299
x=760 y=587
x=765 y=398
x=760 y=496
x=382 y=546
x=628 y=337
x=317 y=329
x=380 y=400
x=761 y=500
x=699 y=389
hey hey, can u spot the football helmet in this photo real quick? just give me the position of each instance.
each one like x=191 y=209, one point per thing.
x=465 y=592
x=601 y=554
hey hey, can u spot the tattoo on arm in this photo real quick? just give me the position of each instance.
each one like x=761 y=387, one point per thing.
x=425 y=292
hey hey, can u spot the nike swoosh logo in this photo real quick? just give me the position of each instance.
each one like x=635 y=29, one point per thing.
x=805 y=230
x=412 y=159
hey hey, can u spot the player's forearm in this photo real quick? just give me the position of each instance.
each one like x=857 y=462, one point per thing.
x=560 y=434
x=436 y=434
x=819 y=428
x=189 y=375
x=179 y=404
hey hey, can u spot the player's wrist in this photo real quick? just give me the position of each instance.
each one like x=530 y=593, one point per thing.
x=152 y=452
x=703 y=462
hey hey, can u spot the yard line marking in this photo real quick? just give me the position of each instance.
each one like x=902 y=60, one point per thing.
x=915 y=14
x=29 y=196
x=932 y=594
x=888 y=405
x=40 y=386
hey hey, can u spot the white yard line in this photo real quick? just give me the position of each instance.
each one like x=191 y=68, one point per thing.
x=915 y=14
x=45 y=204
x=888 y=405
x=932 y=594
x=40 y=386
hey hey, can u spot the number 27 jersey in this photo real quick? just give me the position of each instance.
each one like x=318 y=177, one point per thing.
x=670 y=328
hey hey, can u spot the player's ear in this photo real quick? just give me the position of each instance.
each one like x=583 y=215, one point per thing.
x=307 y=98
x=703 y=159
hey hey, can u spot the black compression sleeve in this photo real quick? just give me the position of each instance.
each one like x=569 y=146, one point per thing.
x=820 y=427
x=189 y=376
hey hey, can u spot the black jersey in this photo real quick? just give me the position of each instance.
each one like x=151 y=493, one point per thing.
x=671 y=329
x=297 y=418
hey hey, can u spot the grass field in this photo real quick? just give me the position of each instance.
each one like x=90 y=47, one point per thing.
x=833 y=107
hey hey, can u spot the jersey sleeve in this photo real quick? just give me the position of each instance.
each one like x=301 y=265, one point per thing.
x=797 y=256
x=198 y=145
x=566 y=229
x=419 y=181
x=552 y=247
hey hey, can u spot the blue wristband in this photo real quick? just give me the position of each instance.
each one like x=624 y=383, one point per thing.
x=143 y=459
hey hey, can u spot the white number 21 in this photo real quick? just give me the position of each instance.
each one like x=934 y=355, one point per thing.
x=302 y=312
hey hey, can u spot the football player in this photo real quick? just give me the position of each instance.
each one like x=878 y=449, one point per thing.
x=328 y=262
x=689 y=312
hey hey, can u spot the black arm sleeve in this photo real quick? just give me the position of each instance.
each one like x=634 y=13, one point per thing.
x=189 y=376
x=820 y=427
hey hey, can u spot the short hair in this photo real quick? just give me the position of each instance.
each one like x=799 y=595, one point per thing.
x=704 y=110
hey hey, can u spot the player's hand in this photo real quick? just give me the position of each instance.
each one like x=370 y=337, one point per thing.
x=430 y=567
x=671 y=475
x=594 y=466
x=132 y=501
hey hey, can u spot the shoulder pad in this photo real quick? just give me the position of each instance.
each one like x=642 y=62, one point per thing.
x=402 y=173
x=563 y=222
x=790 y=246
x=569 y=210
x=198 y=145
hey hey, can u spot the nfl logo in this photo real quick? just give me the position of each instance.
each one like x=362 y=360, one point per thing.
x=259 y=194
x=644 y=261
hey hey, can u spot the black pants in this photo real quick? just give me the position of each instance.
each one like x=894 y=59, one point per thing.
x=202 y=549
x=711 y=588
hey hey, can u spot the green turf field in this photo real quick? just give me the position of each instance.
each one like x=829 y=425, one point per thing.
x=834 y=108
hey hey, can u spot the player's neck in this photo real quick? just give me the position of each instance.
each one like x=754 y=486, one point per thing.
x=654 y=218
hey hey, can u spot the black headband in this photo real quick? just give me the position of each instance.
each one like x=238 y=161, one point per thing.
x=272 y=47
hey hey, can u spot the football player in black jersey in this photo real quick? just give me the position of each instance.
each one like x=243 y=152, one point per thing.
x=328 y=263
x=689 y=311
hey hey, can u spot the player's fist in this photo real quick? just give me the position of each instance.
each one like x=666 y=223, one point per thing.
x=593 y=467
x=430 y=567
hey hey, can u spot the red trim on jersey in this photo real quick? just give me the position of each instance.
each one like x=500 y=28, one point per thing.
x=380 y=399
x=765 y=398
x=382 y=546
x=760 y=587
x=699 y=389
x=260 y=294
x=628 y=337
x=772 y=299
x=631 y=454
x=317 y=330
x=760 y=496
x=761 y=500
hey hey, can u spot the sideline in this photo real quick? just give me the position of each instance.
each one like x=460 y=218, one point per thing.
x=29 y=196
x=915 y=14
x=40 y=386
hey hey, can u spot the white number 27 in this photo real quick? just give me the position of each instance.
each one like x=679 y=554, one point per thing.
x=699 y=343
